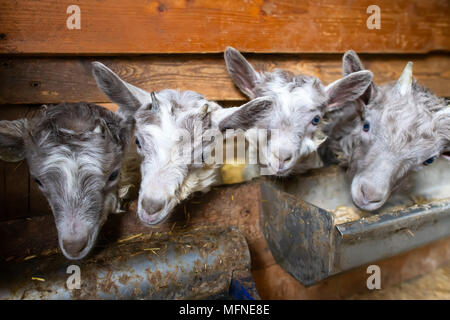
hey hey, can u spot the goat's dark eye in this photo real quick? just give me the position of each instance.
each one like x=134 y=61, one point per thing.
x=429 y=161
x=114 y=175
x=138 y=143
x=366 y=126
x=37 y=182
x=316 y=120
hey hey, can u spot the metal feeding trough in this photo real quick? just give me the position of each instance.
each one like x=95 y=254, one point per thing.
x=314 y=230
x=202 y=263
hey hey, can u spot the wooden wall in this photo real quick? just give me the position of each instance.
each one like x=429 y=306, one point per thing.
x=180 y=43
x=43 y=62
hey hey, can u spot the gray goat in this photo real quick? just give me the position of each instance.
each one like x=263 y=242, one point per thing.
x=389 y=132
x=74 y=152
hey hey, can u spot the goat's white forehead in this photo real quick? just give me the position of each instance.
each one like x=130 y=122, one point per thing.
x=63 y=157
x=400 y=114
x=405 y=128
x=174 y=106
x=295 y=98
x=71 y=169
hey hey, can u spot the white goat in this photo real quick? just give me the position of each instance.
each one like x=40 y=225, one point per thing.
x=298 y=104
x=176 y=132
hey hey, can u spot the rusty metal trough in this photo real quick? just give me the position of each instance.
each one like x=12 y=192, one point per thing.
x=312 y=242
x=201 y=263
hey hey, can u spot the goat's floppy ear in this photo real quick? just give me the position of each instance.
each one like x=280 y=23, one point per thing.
x=241 y=71
x=12 y=146
x=128 y=97
x=245 y=116
x=347 y=89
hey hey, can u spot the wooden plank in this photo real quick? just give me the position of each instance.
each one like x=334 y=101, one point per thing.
x=181 y=26
x=53 y=80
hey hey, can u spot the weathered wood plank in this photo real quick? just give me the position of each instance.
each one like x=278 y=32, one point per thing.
x=181 y=26
x=52 y=80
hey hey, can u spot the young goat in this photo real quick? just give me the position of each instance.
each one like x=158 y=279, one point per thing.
x=74 y=153
x=299 y=103
x=389 y=132
x=174 y=133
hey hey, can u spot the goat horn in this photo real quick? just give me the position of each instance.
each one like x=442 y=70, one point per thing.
x=405 y=81
x=155 y=103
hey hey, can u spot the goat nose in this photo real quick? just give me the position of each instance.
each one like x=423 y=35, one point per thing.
x=283 y=158
x=75 y=246
x=370 y=193
x=151 y=206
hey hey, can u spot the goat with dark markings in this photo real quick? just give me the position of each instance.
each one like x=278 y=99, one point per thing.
x=74 y=152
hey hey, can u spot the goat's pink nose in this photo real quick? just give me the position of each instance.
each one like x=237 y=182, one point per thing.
x=151 y=206
x=284 y=157
x=75 y=246
x=370 y=193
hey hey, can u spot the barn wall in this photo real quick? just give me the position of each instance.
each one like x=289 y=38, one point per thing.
x=180 y=43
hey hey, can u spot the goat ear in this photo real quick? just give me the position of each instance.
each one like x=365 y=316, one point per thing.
x=119 y=128
x=12 y=145
x=128 y=97
x=351 y=63
x=347 y=89
x=245 y=116
x=404 y=83
x=241 y=71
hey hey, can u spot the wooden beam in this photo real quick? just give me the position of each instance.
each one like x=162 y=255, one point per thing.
x=36 y=80
x=14 y=176
x=186 y=26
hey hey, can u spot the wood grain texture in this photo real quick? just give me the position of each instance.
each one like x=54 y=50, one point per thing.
x=53 y=80
x=181 y=26
x=14 y=176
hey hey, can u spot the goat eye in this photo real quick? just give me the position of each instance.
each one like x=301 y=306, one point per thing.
x=366 y=126
x=138 y=143
x=37 y=182
x=316 y=120
x=429 y=161
x=114 y=175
